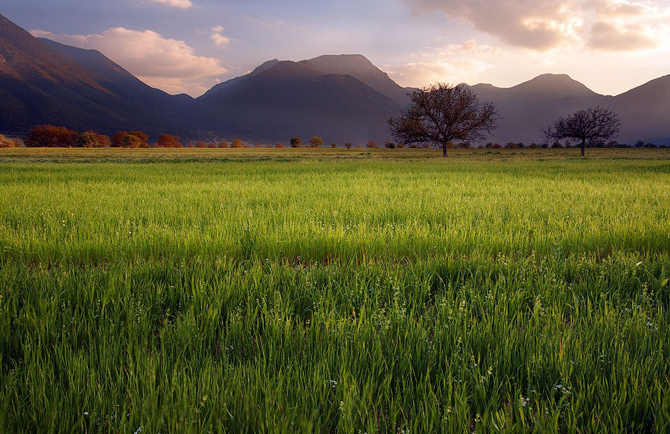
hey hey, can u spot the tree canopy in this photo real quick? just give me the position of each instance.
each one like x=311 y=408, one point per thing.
x=441 y=114
x=594 y=124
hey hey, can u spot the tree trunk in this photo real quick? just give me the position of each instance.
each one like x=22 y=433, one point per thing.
x=583 y=147
x=444 y=149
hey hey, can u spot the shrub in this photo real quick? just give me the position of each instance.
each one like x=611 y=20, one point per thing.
x=372 y=144
x=316 y=142
x=168 y=141
x=257 y=145
x=333 y=145
x=279 y=146
x=131 y=141
x=348 y=145
x=6 y=143
x=224 y=144
x=89 y=139
x=50 y=136
x=556 y=144
x=201 y=144
x=120 y=140
x=389 y=145
x=296 y=142
x=237 y=143
x=212 y=145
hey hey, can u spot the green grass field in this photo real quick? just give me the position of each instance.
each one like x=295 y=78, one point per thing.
x=334 y=291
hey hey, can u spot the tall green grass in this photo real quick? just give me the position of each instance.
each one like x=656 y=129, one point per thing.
x=335 y=296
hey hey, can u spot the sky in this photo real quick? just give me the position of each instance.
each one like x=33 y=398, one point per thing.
x=187 y=46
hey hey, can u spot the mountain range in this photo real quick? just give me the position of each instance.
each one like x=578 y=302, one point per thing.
x=341 y=98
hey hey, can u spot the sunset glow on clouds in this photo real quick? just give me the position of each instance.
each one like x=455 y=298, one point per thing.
x=190 y=45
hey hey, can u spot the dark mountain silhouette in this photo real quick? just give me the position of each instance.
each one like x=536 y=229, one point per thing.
x=283 y=99
x=362 y=69
x=40 y=84
x=342 y=98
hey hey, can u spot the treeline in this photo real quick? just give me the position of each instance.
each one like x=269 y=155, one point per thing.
x=50 y=136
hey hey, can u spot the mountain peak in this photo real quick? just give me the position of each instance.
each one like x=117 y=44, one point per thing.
x=554 y=84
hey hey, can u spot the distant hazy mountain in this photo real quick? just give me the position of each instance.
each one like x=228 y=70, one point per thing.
x=280 y=100
x=531 y=106
x=341 y=98
x=49 y=83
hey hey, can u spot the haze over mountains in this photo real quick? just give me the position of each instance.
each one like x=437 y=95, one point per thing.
x=341 y=98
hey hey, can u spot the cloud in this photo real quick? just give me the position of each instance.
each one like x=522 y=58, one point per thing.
x=543 y=25
x=168 y=64
x=218 y=38
x=181 y=4
x=452 y=63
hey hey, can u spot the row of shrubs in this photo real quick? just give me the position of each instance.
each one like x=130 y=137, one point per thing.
x=50 y=136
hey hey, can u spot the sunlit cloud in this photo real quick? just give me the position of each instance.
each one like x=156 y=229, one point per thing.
x=165 y=63
x=181 y=4
x=612 y=25
x=218 y=37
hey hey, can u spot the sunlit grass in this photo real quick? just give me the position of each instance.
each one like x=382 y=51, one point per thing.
x=321 y=294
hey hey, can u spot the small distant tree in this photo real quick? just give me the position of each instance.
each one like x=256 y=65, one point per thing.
x=120 y=140
x=296 y=142
x=348 y=145
x=131 y=141
x=591 y=125
x=389 y=145
x=372 y=144
x=279 y=146
x=333 y=145
x=6 y=143
x=316 y=142
x=144 y=138
x=50 y=136
x=89 y=139
x=237 y=143
x=257 y=145
x=440 y=114
x=224 y=144
x=212 y=145
x=168 y=141
x=200 y=144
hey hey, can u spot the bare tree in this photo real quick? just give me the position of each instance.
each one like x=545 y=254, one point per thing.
x=590 y=125
x=440 y=114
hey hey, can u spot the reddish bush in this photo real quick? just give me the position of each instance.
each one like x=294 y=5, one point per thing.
x=6 y=143
x=168 y=141
x=237 y=143
x=91 y=139
x=279 y=146
x=121 y=140
x=372 y=144
x=49 y=136
x=224 y=144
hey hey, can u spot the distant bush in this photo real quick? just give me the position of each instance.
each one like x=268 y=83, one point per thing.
x=372 y=144
x=200 y=144
x=390 y=145
x=212 y=145
x=168 y=141
x=131 y=141
x=257 y=145
x=544 y=145
x=91 y=139
x=465 y=145
x=333 y=145
x=50 y=136
x=121 y=140
x=556 y=145
x=296 y=142
x=224 y=144
x=348 y=145
x=316 y=142
x=534 y=146
x=237 y=143
x=279 y=146
x=6 y=143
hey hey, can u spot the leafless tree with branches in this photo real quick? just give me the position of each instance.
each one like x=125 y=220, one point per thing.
x=590 y=125
x=441 y=114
